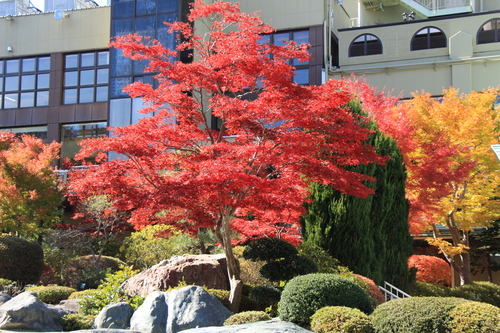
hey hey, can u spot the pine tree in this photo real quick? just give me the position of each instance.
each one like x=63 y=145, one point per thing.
x=370 y=236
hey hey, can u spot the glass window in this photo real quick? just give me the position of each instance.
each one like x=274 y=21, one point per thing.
x=44 y=64
x=73 y=134
x=37 y=131
x=301 y=76
x=489 y=32
x=366 y=44
x=71 y=61
x=42 y=98
x=89 y=82
x=21 y=79
x=428 y=38
x=12 y=66
x=28 y=65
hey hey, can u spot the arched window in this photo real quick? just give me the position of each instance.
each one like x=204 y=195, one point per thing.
x=489 y=32
x=366 y=44
x=428 y=38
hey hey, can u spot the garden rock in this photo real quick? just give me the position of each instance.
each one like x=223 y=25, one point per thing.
x=178 y=310
x=201 y=270
x=151 y=316
x=269 y=326
x=4 y=298
x=27 y=312
x=115 y=316
x=69 y=305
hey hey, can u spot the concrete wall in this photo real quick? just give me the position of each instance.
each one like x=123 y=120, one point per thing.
x=83 y=29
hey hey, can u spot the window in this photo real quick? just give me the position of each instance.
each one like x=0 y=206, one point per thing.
x=489 y=32
x=86 y=77
x=24 y=82
x=73 y=134
x=428 y=38
x=37 y=131
x=300 y=37
x=366 y=44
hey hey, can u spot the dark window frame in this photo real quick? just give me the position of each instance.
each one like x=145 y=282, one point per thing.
x=428 y=38
x=39 y=96
x=370 y=45
x=486 y=36
x=78 y=87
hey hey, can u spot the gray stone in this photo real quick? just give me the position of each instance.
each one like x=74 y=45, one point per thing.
x=115 y=316
x=4 y=298
x=69 y=305
x=201 y=270
x=193 y=306
x=268 y=326
x=151 y=316
x=27 y=312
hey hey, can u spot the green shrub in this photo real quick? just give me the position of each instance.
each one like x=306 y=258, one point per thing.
x=376 y=295
x=325 y=262
x=415 y=314
x=76 y=321
x=246 y=317
x=22 y=260
x=269 y=249
x=84 y=270
x=429 y=290
x=110 y=292
x=472 y=317
x=4 y=283
x=250 y=270
x=341 y=319
x=304 y=295
x=265 y=295
x=52 y=294
x=288 y=268
x=82 y=293
x=480 y=291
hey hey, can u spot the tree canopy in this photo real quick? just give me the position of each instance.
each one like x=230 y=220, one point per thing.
x=249 y=176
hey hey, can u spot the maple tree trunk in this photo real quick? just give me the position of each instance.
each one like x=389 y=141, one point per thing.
x=465 y=276
x=223 y=232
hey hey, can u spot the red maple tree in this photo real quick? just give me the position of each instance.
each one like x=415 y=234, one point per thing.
x=249 y=176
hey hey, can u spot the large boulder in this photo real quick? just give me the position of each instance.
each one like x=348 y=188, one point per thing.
x=151 y=316
x=27 y=312
x=201 y=270
x=177 y=310
x=114 y=316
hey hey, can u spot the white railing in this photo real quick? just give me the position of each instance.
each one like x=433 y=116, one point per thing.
x=391 y=292
x=63 y=174
x=434 y=5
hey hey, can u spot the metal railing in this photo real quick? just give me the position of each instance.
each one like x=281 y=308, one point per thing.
x=391 y=292
x=435 y=5
x=63 y=174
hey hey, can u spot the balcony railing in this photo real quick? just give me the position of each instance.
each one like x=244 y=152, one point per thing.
x=435 y=5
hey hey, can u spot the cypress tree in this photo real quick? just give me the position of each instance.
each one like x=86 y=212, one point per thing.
x=370 y=236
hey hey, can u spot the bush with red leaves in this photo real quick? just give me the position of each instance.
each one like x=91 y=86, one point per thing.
x=431 y=269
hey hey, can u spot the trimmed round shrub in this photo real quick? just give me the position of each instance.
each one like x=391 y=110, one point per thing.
x=22 y=260
x=83 y=270
x=325 y=262
x=304 y=295
x=431 y=269
x=288 y=268
x=52 y=294
x=82 y=293
x=265 y=295
x=341 y=319
x=269 y=249
x=76 y=321
x=415 y=314
x=246 y=317
x=480 y=291
x=472 y=317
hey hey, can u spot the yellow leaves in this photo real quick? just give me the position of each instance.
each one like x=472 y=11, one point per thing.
x=446 y=247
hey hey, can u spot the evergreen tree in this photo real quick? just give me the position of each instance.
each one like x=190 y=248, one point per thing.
x=370 y=236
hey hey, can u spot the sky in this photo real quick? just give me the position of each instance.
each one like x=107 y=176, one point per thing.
x=40 y=4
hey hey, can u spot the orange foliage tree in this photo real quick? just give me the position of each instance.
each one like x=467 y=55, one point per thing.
x=453 y=174
x=29 y=192
x=431 y=269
